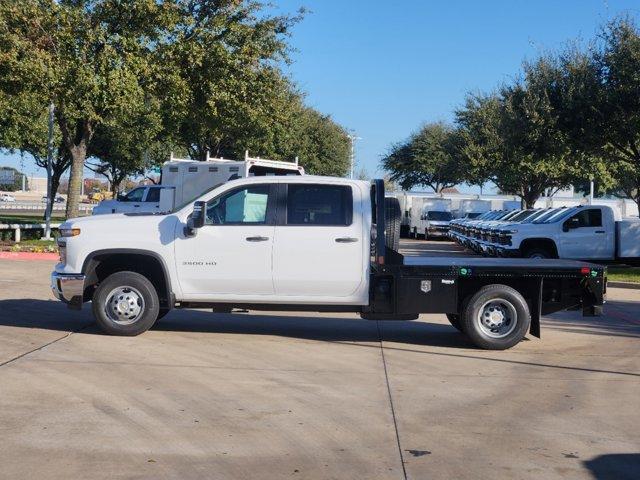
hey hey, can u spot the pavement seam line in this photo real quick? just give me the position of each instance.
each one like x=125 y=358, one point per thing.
x=393 y=410
x=41 y=347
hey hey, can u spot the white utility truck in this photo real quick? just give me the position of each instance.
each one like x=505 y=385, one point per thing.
x=430 y=217
x=183 y=180
x=472 y=208
x=590 y=232
x=302 y=243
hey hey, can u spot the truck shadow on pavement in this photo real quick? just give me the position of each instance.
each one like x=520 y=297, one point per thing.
x=621 y=319
x=618 y=466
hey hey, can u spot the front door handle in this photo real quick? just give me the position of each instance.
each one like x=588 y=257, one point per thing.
x=257 y=239
x=346 y=240
x=599 y=231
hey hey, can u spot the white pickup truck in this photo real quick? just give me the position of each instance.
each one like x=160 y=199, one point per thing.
x=302 y=243
x=589 y=233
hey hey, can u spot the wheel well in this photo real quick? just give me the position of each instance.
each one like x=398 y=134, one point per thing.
x=101 y=265
x=542 y=243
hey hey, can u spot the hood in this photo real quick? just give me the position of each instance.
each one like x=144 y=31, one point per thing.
x=120 y=224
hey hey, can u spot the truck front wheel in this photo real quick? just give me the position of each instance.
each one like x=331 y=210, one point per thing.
x=125 y=303
x=497 y=317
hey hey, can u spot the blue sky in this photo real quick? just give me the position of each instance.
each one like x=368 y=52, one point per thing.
x=383 y=68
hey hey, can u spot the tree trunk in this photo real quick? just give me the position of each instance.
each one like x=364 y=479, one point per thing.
x=529 y=198
x=78 y=157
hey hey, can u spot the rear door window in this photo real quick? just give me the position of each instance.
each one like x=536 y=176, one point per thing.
x=153 y=195
x=311 y=204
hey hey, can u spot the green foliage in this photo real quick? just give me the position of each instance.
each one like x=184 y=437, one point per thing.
x=430 y=157
x=132 y=81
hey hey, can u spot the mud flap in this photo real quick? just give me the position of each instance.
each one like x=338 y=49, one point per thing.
x=536 y=308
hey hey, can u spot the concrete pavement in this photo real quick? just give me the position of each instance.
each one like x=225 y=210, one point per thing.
x=285 y=395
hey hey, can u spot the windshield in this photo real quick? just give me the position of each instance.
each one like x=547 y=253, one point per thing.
x=541 y=215
x=475 y=215
x=508 y=215
x=522 y=215
x=559 y=215
x=442 y=216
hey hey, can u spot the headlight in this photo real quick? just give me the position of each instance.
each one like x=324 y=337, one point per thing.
x=69 y=232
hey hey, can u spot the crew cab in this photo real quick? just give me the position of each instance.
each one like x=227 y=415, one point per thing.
x=303 y=243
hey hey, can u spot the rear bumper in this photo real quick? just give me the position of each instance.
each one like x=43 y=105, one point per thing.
x=68 y=288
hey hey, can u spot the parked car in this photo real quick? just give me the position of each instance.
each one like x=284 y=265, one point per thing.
x=57 y=199
x=303 y=243
x=5 y=197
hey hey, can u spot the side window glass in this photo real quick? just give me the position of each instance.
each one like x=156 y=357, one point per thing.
x=245 y=205
x=595 y=218
x=135 y=195
x=309 y=204
x=587 y=218
x=153 y=195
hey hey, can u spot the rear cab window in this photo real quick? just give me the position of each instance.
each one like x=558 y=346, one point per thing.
x=318 y=204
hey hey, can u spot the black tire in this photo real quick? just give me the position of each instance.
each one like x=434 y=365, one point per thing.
x=392 y=219
x=507 y=301
x=538 y=253
x=136 y=290
x=454 y=319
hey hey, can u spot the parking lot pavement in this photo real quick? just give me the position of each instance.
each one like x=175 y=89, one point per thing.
x=277 y=395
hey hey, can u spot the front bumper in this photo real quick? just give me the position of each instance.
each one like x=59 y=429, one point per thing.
x=68 y=288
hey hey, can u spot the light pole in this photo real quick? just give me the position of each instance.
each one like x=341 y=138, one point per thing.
x=352 y=157
x=48 y=208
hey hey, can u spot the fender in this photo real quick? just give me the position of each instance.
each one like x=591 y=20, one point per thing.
x=89 y=263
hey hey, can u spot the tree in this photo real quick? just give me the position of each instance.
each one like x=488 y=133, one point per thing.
x=606 y=123
x=91 y=58
x=514 y=137
x=429 y=158
x=124 y=145
x=220 y=79
x=322 y=145
x=24 y=128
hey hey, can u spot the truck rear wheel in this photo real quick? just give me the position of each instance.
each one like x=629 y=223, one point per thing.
x=497 y=317
x=392 y=219
x=125 y=303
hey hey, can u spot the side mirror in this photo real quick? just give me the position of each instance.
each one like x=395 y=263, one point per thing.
x=196 y=219
x=121 y=198
x=198 y=215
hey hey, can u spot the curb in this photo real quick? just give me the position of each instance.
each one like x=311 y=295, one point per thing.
x=28 y=256
x=630 y=285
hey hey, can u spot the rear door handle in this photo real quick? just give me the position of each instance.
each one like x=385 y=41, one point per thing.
x=346 y=240
x=599 y=231
x=257 y=239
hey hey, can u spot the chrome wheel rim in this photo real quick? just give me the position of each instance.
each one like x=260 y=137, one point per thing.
x=497 y=318
x=124 y=305
x=537 y=255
